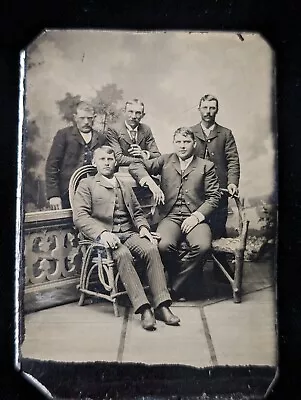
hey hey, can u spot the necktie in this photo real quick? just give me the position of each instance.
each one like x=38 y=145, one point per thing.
x=133 y=137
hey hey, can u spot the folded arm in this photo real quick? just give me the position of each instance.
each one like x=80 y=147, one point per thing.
x=141 y=171
x=112 y=140
x=151 y=146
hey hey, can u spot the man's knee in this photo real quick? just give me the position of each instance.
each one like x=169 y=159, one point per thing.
x=122 y=252
x=202 y=246
x=151 y=250
x=165 y=247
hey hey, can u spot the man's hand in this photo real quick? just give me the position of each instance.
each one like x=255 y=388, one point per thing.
x=232 y=189
x=135 y=151
x=55 y=203
x=156 y=191
x=109 y=239
x=144 y=232
x=189 y=223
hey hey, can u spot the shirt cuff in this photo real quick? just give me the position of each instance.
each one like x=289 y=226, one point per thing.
x=146 y=153
x=144 y=181
x=200 y=217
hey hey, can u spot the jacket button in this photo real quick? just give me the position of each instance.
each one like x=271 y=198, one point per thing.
x=186 y=191
x=188 y=202
x=208 y=140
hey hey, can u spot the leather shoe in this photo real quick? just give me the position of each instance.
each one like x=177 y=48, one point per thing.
x=148 y=321
x=164 y=314
x=175 y=296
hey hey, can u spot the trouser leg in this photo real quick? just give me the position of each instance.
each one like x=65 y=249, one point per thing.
x=129 y=277
x=148 y=252
x=199 y=240
x=171 y=234
x=65 y=200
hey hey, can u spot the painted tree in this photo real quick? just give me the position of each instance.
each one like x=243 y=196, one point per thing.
x=33 y=192
x=67 y=106
x=105 y=103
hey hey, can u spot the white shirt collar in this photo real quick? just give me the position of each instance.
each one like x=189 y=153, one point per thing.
x=185 y=163
x=129 y=128
x=87 y=136
x=207 y=131
x=112 y=181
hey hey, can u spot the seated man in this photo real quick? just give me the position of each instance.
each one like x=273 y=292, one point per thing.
x=107 y=209
x=190 y=192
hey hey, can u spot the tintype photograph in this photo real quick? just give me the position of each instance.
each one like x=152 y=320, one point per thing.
x=149 y=199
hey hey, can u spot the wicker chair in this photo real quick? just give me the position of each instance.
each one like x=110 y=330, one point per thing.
x=235 y=246
x=96 y=257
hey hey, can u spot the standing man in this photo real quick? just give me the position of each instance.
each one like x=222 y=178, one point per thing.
x=190 y=193
x=72 y=148
x=106 y=208
x=217 y=144
x=131 y=139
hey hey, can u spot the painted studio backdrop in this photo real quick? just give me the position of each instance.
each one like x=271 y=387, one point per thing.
x=169 y=72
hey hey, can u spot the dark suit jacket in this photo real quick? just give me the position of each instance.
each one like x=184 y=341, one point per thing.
x=200 y=184
x=222 y=152
x=94 y=203
x=65 y=156
x=119 y=139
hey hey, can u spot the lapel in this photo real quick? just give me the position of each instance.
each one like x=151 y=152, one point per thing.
x=140 y=134
x=94 y=139
x=126 y=196
x=213 y=134
x=124 y=134
x=103 y=182
x=201 y=135
x=190 y=167
x=76 y=135
x=176 y=163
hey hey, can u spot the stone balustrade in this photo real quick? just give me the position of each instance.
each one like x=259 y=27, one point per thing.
x=51 y=254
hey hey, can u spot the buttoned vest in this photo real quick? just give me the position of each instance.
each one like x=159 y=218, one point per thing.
x=180 y=207
x=121 y=218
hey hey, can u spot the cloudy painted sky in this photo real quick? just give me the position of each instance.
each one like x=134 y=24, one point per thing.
x=169 y=72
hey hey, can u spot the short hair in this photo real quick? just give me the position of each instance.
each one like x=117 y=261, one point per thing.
x=107 y=149
x=84 y=106
x=135 y=101
x=208 y=97
x=185 y=132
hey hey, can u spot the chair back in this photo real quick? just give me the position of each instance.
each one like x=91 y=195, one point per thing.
x=80 y=173
x=243 y=223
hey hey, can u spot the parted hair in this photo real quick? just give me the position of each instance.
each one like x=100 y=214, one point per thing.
x=85 y=106
x=107 y=149
x=208 y=97
x=134 y=101
x=185 y=132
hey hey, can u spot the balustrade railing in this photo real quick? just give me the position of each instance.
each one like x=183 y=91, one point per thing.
x=51 y=254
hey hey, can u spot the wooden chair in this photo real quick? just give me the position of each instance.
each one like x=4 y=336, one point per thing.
x=229 y=246
x=96 y=257
x=235 y=246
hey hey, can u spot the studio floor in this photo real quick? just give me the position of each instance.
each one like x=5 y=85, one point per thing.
x=213 y=330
